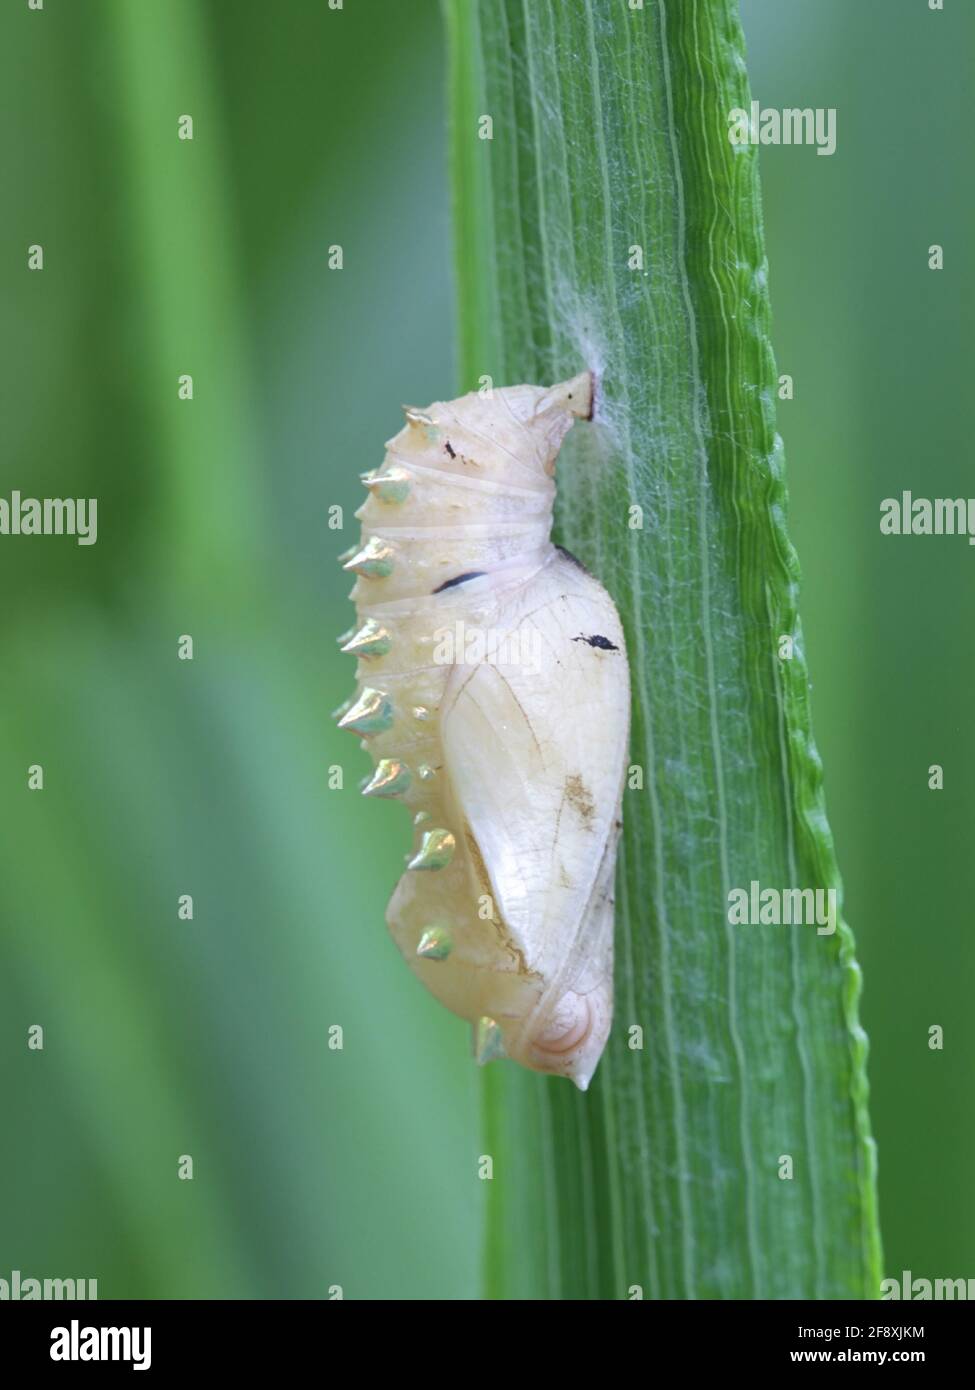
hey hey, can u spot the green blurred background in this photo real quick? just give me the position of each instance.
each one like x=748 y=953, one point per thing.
x=209 y=1037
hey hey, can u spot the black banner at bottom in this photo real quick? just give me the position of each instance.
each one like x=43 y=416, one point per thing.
x=170 y=1338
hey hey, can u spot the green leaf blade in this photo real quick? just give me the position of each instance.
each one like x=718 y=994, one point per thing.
x=610 y=132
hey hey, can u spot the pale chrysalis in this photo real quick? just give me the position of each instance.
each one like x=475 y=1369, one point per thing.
x=493 y=696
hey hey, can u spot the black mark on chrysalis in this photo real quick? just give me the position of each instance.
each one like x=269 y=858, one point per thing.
x=458 y=579
x=603 y=643
x=573 y=558
x=451 y=451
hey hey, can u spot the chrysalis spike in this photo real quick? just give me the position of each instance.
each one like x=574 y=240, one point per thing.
x=347 y=555
x=435 y=944
x=487 y=1042
x=372 y=713
x=374 y=560
x=435 y=852
x=344 y=707
x=391 y=778
x=347 y=636
x=372 y=639
x=391 y=486
x=414 y=416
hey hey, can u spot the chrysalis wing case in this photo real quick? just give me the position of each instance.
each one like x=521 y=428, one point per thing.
x=494 y=698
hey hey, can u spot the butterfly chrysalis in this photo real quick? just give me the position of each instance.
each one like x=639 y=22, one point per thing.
x=493 y=695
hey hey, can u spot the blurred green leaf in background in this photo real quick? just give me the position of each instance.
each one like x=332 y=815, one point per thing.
x=209 y=1037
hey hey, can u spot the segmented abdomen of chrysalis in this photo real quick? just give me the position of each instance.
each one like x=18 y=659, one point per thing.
x=493 y=696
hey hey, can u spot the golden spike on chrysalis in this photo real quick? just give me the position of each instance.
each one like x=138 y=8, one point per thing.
x=347 y=554
x=417 y=417
x=372 y=713
x=374 y=560
x=372 y=639
x=346 y=636
x=368 y=476
x=344 y=707
x=435 y=944
x=435 y=852
x=487 y=1042
x=391 y=778
x=392 y=485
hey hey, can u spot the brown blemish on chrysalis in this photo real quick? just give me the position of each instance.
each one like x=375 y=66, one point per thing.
x=484 y=884
x=578 y=795
x=477 y=859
